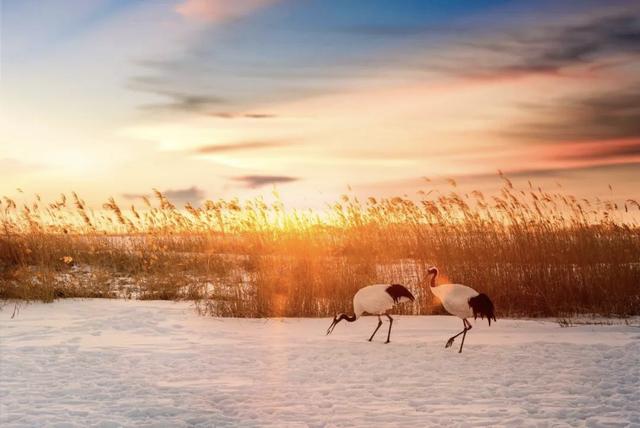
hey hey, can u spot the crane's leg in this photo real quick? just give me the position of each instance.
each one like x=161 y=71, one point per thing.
x=390 y=324
x=451 y=339
x=467 y=327
x=376 y=330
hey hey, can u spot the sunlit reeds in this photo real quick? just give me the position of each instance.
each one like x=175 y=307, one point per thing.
x=536 y=252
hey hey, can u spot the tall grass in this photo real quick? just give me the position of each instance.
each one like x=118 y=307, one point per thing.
x=536 y=253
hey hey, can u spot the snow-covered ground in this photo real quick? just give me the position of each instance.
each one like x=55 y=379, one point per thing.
x=131 y=363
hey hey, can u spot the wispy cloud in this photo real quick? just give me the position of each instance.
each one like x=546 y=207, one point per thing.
x=607 y=151
x=612 y=169
x=254 y=181
x=177 y=99
x=614 y=114
x=219 y=10
x=191 y=194
x=248 y=145
x=553 y=48
x=202 y=83
x=135 y=196
x=241 y=77
x=522 y=174
x=233 y=115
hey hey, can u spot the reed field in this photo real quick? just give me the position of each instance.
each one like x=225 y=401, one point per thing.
x=536 y=253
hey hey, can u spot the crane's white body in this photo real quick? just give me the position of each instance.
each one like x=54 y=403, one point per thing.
x=455 y=298
x=374 y=300
x=463 y=302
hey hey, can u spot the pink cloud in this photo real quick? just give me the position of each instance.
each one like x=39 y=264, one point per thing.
x=604 y=152
x=219 y=10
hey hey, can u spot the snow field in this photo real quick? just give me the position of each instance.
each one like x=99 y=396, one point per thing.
x=111 y=363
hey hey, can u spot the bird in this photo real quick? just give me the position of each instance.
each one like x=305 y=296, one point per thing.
x=375 y=299
x=463 y=302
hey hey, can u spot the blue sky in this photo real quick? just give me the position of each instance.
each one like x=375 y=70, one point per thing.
x=210 y=98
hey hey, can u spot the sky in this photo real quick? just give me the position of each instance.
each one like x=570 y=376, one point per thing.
x=213 y=98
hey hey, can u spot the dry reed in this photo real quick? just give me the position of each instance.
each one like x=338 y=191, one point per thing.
x=536 y=253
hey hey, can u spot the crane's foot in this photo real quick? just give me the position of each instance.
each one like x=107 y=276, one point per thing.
x=449 y=342
x=387 y=341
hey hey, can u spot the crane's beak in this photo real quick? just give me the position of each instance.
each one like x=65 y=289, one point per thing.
x=332 y=326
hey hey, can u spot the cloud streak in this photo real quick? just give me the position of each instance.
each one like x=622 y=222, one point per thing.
x=579 y=44
x=232 y=115
x=191 y=194
x=248 y=145
x=614 y=114
x=625 y=150
x=211 y=11
x=255 y=181
x=179 y=100
x=545 y=49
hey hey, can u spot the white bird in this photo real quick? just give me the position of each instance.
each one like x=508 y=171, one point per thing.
x=463 y=302
x=375 y=300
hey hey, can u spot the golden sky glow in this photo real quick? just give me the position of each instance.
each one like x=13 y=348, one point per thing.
x=114 y=97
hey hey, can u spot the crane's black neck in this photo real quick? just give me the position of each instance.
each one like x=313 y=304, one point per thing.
x=433 y=278
x=338 y=318
x=350 y=318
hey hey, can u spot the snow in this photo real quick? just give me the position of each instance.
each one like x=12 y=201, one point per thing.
x=109 y=363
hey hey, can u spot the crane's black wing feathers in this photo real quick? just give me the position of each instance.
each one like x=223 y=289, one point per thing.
x=397 y=291
x=483 y=306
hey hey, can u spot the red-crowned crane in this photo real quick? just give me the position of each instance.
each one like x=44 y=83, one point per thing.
x=463 y=302
x=375 y=300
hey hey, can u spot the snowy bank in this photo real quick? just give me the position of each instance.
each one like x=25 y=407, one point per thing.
x=139 y=363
